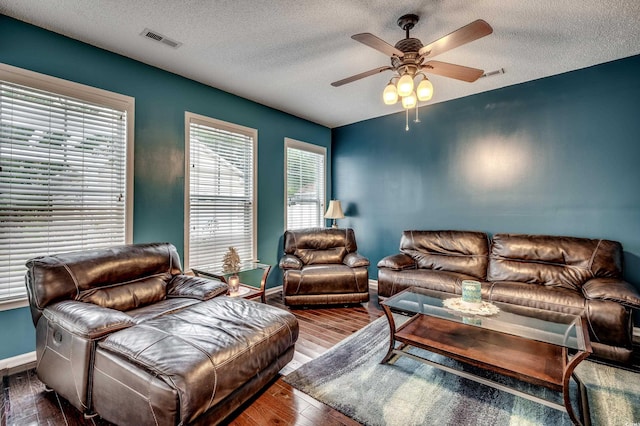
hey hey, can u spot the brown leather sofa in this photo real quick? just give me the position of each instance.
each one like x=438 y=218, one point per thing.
x=552 y=273
x=322 y=266
x=121 y=332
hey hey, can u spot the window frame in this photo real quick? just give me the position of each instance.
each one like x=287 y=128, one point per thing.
x=315 y=149
x=87 y=94
x=190 y=117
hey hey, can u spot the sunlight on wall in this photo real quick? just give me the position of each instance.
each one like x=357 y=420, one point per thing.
x=495 y=162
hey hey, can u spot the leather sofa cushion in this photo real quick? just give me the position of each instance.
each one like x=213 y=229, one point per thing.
x=540 y=297
x=317 y=257
x=66 y=276
x=465 y=252
x=158 y=309
x=130 y=295
x=326 y=279
x=208 y=350
x=553 y=261
x=319 y=239
x=444 y=281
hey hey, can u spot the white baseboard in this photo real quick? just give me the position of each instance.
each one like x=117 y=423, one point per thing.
x=272 y=290
x=17 y=363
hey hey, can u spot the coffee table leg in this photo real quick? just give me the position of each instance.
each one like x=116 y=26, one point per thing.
x=392 y=334
x=566 y=377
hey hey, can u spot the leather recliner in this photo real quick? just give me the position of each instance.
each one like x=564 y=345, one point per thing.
x=322 y=266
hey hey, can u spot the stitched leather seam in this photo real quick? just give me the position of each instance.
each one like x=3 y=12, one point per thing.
x=593 y=257
x=73 y=374
x=155 y=419
x=588 y=315
x=73 y=278
x=541 y=262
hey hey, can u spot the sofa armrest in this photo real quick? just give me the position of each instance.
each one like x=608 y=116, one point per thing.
x=355 y=260
x=612 y=289
x=195 y=287
x=289 y=261
x=397 y=262
x=86 y=319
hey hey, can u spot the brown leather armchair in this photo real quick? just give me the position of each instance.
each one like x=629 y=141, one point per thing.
x=322 y=266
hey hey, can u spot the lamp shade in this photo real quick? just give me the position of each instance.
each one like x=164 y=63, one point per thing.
x=334 y=211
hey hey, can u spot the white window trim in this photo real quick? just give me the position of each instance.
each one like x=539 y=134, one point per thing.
x=305 y=146
x=90 y=94
x=190 y=117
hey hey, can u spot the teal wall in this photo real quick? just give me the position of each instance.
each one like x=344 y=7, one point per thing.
x=161 y=100
x=559 y=155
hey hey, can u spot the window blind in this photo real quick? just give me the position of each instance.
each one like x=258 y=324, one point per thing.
x=221 y=192
x=62 y=178
x=305 y=183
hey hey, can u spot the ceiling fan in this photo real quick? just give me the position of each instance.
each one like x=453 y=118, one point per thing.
x=410 y=58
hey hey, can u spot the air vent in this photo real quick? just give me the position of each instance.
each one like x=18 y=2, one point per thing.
x=153 y=35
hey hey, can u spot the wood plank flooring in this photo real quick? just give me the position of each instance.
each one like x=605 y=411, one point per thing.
x=24 y=401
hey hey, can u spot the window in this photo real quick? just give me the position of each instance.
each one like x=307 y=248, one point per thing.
x=219 y=190
x=304 y=185
x=64 y=155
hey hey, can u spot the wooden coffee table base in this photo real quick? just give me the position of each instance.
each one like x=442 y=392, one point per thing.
x=527 y=360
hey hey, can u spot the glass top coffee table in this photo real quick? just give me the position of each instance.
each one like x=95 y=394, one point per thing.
x=246 y=268
x=514 y=342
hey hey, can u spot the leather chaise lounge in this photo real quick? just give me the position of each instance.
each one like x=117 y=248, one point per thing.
x=121 y=332
x=535 y=273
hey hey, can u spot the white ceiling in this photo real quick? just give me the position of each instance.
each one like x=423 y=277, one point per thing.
x=285 y=53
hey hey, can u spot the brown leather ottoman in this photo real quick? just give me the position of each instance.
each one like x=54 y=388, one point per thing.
x=195 y=365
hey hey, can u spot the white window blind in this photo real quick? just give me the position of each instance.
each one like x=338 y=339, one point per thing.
x=221 y=196
x=305 y=184
x=62 y=178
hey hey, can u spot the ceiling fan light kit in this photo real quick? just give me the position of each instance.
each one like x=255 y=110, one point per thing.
x=409 y=60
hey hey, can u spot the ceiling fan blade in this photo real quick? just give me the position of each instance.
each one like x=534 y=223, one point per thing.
x=359 y=76
x=468 y=33
x=458 y=72
x=378 y=44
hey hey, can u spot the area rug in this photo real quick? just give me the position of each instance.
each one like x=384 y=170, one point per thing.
x=350 y=378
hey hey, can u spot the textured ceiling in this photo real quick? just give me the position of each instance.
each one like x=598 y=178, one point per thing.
x=285 y=53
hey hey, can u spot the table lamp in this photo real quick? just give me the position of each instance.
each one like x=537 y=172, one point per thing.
x=334 y=212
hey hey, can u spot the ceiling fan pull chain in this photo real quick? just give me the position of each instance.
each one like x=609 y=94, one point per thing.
x=407 y=128
x=417 y=120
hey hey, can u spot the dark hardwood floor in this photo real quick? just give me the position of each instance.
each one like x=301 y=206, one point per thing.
x=27 y=403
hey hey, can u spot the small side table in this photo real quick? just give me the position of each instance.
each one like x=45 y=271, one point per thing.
x=253 y=292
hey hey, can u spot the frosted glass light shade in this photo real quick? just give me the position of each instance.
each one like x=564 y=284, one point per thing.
x=405 y=85
x=410 y=101
x=425 y=90
x=390 y=94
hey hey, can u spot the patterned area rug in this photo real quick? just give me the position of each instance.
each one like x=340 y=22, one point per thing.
x=350 y=378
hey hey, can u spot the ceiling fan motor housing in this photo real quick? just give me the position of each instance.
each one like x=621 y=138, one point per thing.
x=410 y=47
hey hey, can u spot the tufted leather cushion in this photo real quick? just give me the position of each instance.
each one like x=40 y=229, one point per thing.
x=553 y=260
x=131 y=295
x=68 y=275
x=465 y=252
x=318 y=257
x=320 y=245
